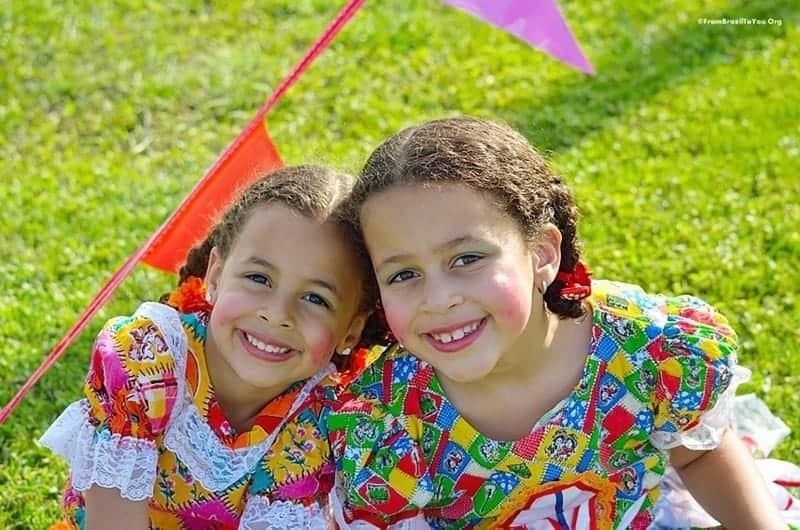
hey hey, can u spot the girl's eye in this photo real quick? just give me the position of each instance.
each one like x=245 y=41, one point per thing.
x=263 y=279
x=466 y=259
x=401 y=276
x=317 y=300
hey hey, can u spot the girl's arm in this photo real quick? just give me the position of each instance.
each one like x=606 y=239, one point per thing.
x=105 y=508
x=110 y=438
x=727 y=484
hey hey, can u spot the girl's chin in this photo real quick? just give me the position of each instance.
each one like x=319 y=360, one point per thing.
x=463 y=373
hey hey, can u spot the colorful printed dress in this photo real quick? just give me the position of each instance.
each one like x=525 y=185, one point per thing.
x=654 y=372
x=151 y=427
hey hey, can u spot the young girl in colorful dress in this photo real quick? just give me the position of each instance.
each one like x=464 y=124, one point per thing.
x=522 y=394
x=203 y=413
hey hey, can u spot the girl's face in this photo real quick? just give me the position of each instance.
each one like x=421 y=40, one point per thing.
x=456 y=275
x=284 y=299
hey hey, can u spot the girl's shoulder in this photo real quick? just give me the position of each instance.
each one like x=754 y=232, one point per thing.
x=152 y=336
x=625 y=300
x=676 y=354
x=133 y=385
x=139 y=361
x=638 y=320
x=380 y=402
x=374 y=432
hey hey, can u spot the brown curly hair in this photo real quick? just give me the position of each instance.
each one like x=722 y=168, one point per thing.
x=488 y=157
x=316 y=192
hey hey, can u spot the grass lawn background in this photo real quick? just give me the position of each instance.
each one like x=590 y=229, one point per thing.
x=683 y=151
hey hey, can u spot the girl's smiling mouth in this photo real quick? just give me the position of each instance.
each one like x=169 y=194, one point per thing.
x=264 y=348
x=451 y=339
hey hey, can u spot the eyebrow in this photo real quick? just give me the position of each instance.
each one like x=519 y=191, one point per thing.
x=317 y=281
x=450 y=244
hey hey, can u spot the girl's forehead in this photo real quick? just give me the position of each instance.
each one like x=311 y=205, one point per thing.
x=427 y=217
x=450 y=201
x=275 y=218
x=291 y=241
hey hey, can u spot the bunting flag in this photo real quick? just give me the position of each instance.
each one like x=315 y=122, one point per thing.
x=252 y=154
x=246 y=159
x=537 y=22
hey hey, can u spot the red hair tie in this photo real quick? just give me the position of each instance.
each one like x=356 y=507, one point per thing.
x=577 y=283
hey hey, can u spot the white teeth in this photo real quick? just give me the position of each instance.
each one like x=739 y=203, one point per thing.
x=457 y=334
x=269 y=348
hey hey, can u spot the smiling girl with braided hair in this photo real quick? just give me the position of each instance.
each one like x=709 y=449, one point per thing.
x=204 y=412
x=523 y=394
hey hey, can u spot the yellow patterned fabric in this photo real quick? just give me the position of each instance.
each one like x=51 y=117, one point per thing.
x=139 y=398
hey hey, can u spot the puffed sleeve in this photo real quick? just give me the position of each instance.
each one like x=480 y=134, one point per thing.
x=134 y=380
x=697 y=376
x=382 y=476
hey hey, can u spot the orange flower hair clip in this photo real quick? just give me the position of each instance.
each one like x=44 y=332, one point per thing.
x=190 y=296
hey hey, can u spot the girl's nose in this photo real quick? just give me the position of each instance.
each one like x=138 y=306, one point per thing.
x=440 y=298
x=276 y=315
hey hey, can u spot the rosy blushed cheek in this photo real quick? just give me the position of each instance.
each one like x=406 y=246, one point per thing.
x=320 y=346
x=512 y=298
x=229 y=307
x=399 y=320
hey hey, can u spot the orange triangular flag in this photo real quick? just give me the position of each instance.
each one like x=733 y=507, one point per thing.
x=248 y=158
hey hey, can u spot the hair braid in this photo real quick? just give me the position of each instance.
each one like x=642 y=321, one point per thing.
x=197 y=259
x=565 y=215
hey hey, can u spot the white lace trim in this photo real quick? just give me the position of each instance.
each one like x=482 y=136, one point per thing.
x=169 y=322
x=713 y=423
x=211 y=462
x=130 y=464
x=115 y=461
x=261 y=514
x=122 y=462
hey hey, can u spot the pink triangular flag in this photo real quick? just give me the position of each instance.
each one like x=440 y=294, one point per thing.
x=537 y=22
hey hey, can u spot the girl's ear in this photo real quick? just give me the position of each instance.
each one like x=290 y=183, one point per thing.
x=546 y=254
x=353 y=334
x=213 y=274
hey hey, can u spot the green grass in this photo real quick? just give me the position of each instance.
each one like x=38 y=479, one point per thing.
x=684 y=153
